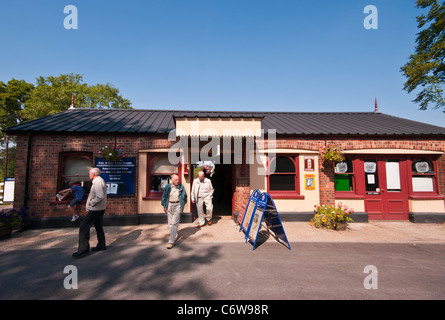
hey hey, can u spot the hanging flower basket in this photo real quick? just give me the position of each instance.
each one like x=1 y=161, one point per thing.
x=331 y=153
x=111 y=153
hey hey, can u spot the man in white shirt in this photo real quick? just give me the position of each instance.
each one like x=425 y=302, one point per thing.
x=96 y=204
x=202 y=193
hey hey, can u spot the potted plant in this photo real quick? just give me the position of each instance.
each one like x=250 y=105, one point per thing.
x=331 y=153
x=332 y=217
x=111 y=153
x=10 y=219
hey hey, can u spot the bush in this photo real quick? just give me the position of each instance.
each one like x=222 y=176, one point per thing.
x=331 y=217
x=16 y=218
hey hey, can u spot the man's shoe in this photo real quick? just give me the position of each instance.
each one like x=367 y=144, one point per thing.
x=95 y=249
x=209 y=222
x=81 y=254
x=169 y=245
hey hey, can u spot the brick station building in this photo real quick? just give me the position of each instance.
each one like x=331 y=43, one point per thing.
x=394 y=167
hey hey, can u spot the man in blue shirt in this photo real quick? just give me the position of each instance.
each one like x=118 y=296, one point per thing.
x=77 y=191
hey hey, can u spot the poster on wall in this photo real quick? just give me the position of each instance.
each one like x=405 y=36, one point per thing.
x=309 y=181
x=8 y=190
x=118 y=175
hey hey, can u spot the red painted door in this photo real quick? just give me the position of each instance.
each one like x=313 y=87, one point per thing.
x=386 y=188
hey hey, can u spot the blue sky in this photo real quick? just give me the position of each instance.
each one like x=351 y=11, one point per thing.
x=231 y=55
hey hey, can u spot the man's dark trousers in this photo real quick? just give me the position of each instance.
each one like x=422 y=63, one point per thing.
x=92 y=218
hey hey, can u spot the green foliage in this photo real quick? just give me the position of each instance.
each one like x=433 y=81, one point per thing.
x=21 y=101
x=13 y=96
x=16 y=218
x=53 y=95
x=111 y=153
x=426 y=68
x=331 y=153
x=11 y=162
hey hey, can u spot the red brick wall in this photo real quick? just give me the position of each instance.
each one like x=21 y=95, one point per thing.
x=46 y=149
x=326 y=182
x=43 y=175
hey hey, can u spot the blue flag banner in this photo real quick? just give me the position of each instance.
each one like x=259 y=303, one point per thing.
x=266 y=210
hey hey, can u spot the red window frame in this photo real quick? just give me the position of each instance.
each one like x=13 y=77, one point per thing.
x=155 y=195
x=63 y=158
x=285 y=194
x=357 y=183
x=423 y=195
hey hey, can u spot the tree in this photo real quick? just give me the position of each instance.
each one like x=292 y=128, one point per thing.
x=53 y=94
x=13 y=96
x=426 y=67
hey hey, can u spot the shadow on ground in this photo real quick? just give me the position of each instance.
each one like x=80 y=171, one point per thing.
x=121 y=272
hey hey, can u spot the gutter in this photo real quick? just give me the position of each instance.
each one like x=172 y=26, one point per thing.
x=28 y=165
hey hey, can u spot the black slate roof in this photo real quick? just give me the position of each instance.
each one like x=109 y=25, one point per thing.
x=163 y=121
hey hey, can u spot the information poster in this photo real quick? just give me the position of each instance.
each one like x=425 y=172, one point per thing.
x=8 y=193
x=118 y=175
x=249 y=210
x=309 y=181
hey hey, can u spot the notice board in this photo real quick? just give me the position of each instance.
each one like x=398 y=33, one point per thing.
x=118 y=175
x=267 y=211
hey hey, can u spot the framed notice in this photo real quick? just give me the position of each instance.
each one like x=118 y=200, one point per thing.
x=309 y=164
x=118 y=175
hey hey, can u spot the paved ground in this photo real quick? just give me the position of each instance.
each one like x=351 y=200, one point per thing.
x=224 y=230
x=215 y=263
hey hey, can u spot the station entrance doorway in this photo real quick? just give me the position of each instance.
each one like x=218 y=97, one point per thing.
x=222 y=179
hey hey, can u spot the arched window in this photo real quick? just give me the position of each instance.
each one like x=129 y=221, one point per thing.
x=74 y=167
x=282 y=176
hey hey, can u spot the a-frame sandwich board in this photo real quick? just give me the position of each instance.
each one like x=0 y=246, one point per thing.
x=266 y=210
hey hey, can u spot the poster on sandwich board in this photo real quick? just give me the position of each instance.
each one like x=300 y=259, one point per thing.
x=249 y=210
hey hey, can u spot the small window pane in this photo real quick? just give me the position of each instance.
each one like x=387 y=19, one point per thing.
x=162 y=165
x=78 y=166
x=284 y=164
x=284 y=182
x=423 y=184
x=343 y=182
x=75 y=169
x=422 y=166
x=392 y=176
x=158 y=183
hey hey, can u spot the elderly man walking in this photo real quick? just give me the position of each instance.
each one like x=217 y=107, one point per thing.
x=173 y=200
x=96 y=204
x=202 y=193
